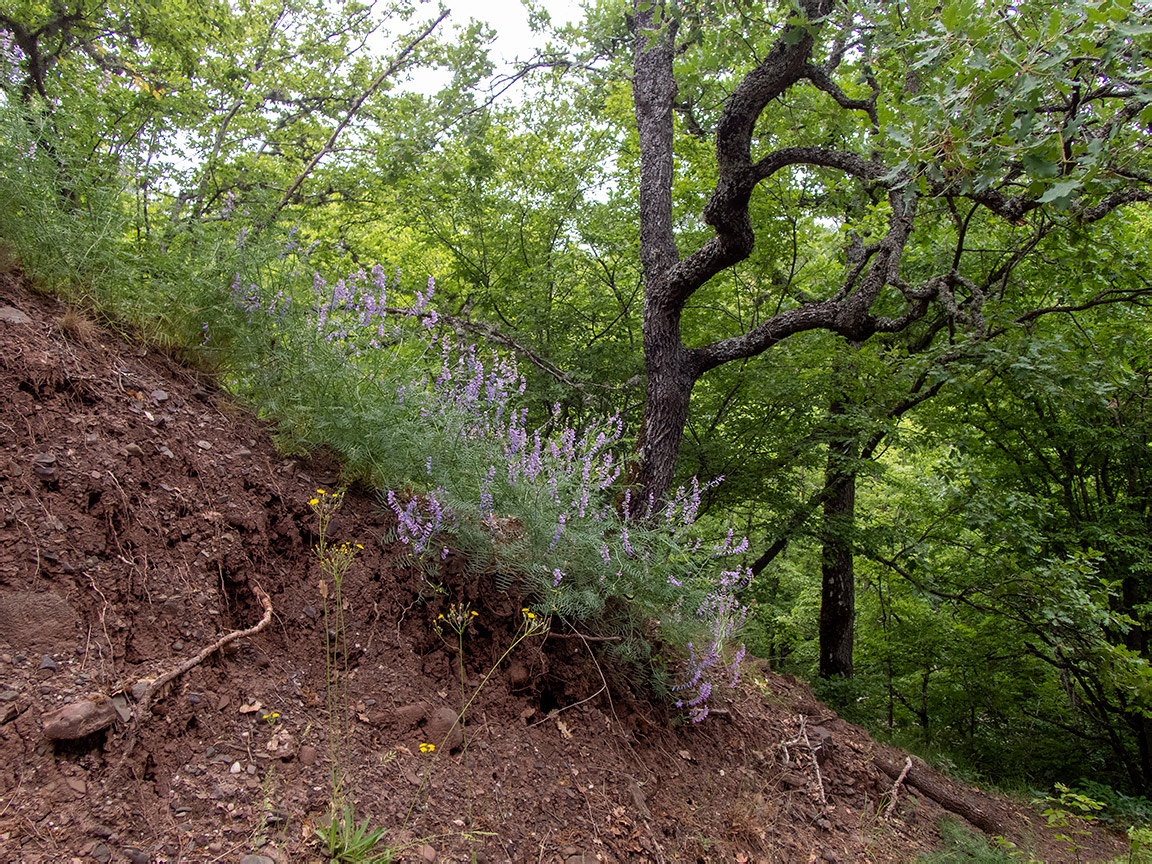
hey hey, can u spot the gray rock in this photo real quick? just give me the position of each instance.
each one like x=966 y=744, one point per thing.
x=120 y=703
x=136 y=856
x=140 y=688
x=79 y=719
x=44 y=465
x=12 y=315
x=256 y=859
x=46 y=662
x=134 y=450
x=159 y=396
x=101 y=853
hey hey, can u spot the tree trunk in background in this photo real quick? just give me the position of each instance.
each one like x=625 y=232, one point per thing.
x=838 y=586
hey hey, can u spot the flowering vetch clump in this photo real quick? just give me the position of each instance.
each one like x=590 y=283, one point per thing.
x=448 y=435
x=723 y=615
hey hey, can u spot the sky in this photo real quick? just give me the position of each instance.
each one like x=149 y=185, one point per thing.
x=510 y=20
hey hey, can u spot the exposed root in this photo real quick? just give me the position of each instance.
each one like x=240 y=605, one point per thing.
x=145 y=704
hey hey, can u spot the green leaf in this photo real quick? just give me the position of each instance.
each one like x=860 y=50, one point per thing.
x=1039 y=167
x=1061 y=193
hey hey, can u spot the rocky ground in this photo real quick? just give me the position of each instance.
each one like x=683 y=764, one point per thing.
x=143 y=515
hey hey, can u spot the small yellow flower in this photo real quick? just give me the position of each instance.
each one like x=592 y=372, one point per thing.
x=475 y=614
x=427 y=748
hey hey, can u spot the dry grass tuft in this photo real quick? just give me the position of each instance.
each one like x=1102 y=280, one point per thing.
x=77 y=326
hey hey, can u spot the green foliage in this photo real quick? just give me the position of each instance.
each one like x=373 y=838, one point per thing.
x=345 y=842
x=1069 y=812
x=1002 y=538
x=961 y=845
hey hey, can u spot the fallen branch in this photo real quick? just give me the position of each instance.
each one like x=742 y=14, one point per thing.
x=937 y=788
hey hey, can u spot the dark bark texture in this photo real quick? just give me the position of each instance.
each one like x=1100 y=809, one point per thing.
x=838 y=585
x=872 y=271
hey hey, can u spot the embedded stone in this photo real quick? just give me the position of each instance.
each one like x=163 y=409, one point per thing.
x=12 y=315
x=443 y=730
x=79 y=719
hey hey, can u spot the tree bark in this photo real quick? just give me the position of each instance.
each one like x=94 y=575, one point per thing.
x=838 y=585
x=941 y=791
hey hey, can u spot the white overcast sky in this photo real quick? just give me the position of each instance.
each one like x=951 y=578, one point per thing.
x=510 y=20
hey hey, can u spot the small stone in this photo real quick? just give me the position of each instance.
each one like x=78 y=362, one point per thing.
x=136 y=856
x=12 y=315
x=134 y=450
x=44 y=464
x=120 y=703
x=101 y=853
x=308 y=755
x=9 y=695
x=194 y=699
x=236 y=768
x=177 y=646
x=407 y=716
x=243 y=452
x=46 y=662
x=140 y=688
x=101 y=831
x=78 y=719
x=256 y=859
x=204 y=445
x=8 y=713
x=159 y=396
x=310 y=612
x=427 y=853
x=443 y=730
x=166 y=453
x=77 y=785
x=251 y=769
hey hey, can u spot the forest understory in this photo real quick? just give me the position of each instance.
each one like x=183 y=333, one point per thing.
x=143 y=514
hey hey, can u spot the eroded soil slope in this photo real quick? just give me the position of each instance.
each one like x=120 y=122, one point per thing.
x=142 y=512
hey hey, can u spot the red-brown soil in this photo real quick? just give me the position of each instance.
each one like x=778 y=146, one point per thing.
x=140 y=510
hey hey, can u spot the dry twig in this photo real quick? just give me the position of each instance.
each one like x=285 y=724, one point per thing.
x=896 y=787
x=802 y=738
